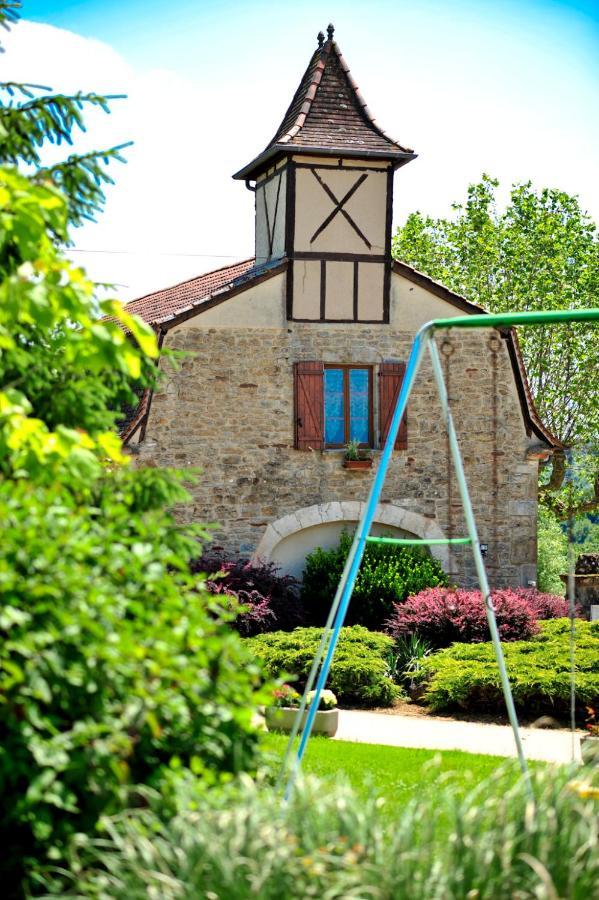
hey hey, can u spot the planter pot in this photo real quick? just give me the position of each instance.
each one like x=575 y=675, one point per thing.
x=281 y=718
x=356 y=464
x=589 y=750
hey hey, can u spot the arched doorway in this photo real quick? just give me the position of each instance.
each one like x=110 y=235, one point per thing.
x=288 y=540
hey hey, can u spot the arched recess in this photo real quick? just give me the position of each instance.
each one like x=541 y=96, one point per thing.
x=307 y=523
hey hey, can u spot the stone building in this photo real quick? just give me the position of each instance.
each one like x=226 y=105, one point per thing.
x=294 y=352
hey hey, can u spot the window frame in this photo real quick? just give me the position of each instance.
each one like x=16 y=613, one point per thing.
x=346 y=368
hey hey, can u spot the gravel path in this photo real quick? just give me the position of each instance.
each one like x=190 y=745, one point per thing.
x=550 y=745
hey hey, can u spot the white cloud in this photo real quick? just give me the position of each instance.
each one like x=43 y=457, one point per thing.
x=466 y=106
x=171 y=196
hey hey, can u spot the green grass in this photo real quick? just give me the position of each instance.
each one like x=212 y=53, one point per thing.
x=395 y=773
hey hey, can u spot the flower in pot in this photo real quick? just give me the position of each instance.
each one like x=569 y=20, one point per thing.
x=589 y=744
x=280 y=716
x=326 y=719
x=356 y=457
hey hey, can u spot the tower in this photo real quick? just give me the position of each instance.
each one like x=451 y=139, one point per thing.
x=324 y=197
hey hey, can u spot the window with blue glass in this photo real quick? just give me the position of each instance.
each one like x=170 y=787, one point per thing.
x=347 y=405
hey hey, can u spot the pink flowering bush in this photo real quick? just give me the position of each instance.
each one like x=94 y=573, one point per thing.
x=544 y=606
x=445 y=615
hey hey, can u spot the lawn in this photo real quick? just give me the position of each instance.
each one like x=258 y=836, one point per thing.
x=396 y=773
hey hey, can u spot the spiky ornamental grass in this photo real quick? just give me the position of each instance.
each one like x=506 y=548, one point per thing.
x=490 y=843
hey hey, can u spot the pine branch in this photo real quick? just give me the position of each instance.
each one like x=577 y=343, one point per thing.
x=82 y=178
x=9 y=15
x=26 y=126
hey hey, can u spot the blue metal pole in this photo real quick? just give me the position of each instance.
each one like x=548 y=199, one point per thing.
x=352 y=565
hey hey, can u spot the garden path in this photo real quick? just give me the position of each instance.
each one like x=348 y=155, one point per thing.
x=430 y=733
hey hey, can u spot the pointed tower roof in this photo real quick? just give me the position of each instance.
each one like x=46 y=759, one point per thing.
x=328 y=116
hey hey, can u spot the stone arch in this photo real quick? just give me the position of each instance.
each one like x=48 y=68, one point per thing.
x=350 y=511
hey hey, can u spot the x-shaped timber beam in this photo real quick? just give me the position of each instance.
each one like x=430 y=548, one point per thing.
x=339 y=204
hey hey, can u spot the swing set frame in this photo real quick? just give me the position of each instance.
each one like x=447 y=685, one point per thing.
x=424 y=342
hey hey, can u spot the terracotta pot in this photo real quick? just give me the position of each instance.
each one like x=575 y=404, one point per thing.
x=357 y=463
x=589 y=749
x=281 y=718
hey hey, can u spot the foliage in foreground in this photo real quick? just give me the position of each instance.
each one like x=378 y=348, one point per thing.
x=388 y=574
x=360 y=670
x=115 y=670
x=444 y=615
x=466 y=676
x=490 y=844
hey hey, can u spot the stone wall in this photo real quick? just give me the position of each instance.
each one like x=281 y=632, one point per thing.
x=229 y=409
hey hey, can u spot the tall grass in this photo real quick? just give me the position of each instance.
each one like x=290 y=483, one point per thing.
x=488 y=843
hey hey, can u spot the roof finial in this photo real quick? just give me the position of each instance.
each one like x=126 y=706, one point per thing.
x=331 y=31
x=320 y=39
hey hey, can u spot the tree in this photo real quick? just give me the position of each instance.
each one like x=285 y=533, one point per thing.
x=540 y=252
x=117 y=669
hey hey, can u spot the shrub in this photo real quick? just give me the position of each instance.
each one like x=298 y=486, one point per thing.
x=327 y=842
x=544 y=606
x=466 y=675
x=408 y=653
x=360 y=671
x=114 y=670
x=444 y=615
x=270 y=600
x=388 y=574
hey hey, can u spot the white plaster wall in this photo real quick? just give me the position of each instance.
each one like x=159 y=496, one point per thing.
x=371 y=282
x=290 y=554
x=346 y=163
x=412 y=305
x=267 y=194
x=367 y=208
x=261 y=306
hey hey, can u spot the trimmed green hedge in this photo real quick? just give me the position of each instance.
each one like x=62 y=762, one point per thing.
x=360 y=671
x=466 y=675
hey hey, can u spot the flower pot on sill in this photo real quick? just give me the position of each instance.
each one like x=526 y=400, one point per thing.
x=281 y=718
x=589 y=749
x=358 y=463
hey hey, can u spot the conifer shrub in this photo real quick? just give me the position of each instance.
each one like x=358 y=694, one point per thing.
x=465 y=676
x=388 y=574
x=360 y=673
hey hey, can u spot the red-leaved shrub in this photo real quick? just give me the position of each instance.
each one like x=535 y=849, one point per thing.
x=270 y=599
x=544 y=606
x=445 y=615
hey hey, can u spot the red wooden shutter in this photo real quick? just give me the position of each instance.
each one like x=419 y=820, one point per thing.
x=391 y=375
x=309 y=405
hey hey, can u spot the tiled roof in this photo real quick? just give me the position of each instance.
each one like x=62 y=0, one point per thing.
x=162 y=306
x=328 y=114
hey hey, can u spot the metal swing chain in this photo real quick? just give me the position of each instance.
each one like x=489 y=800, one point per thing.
x=572 y=612
x=447 y=350
x=494 y=346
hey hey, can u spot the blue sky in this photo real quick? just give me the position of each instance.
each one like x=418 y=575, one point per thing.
x=511 y=88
